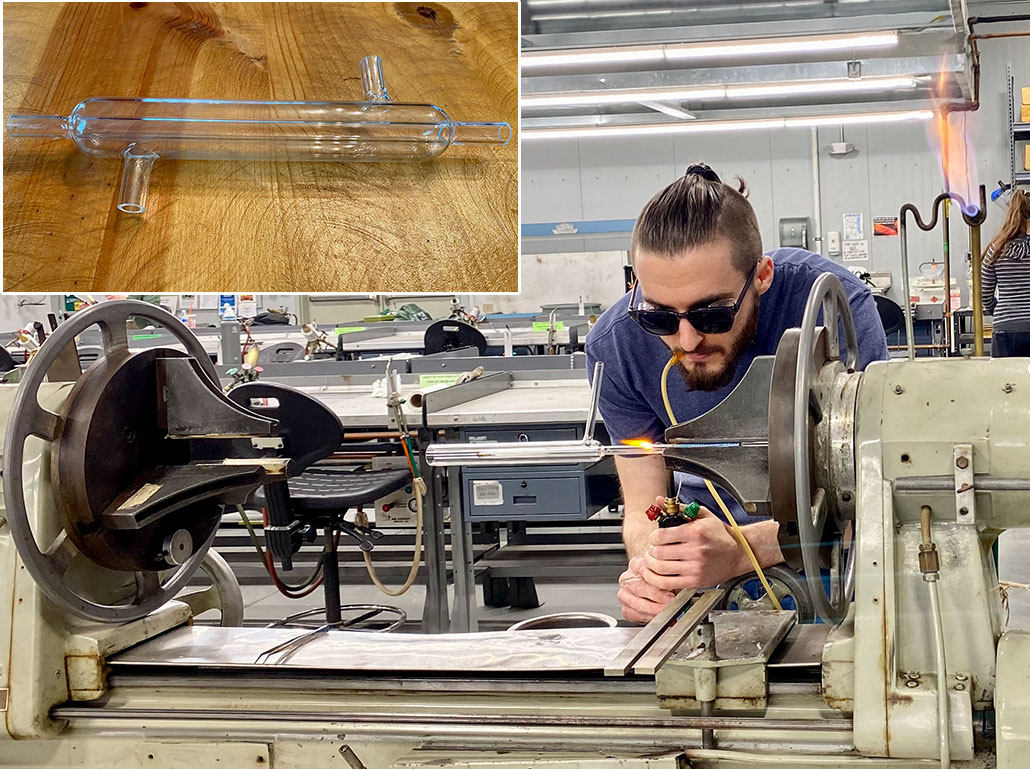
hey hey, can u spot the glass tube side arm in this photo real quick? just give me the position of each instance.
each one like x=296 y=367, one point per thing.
x=141 y=130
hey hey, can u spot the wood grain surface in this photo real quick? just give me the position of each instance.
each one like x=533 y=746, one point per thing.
x=446 y=225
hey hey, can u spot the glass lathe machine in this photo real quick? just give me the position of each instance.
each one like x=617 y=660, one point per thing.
x=895 y=482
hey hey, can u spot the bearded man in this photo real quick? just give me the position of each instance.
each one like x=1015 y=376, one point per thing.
x=705 y=289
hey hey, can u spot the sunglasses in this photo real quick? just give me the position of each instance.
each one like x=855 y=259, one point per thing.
x=710 y=319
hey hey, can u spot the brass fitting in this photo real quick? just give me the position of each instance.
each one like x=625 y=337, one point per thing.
x=929 y=562
x=928 y=559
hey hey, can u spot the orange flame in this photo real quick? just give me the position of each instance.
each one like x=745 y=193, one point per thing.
x=639 y=442
x=949 y=139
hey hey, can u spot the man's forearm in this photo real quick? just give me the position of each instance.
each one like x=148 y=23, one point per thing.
x=762 y=536
x=642 y=480
x=636 y=529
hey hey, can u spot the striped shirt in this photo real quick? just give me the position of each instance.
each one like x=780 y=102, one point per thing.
x=1005 y=289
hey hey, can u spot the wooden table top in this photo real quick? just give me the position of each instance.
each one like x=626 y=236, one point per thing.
x=446 y=225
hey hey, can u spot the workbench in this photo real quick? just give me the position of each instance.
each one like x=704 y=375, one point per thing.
x=522 y=402
x=413 y=340
x=407 y=337
x=446 y=225
x=490 y=408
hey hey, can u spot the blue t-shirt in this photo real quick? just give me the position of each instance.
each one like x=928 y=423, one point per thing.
x=631 y=398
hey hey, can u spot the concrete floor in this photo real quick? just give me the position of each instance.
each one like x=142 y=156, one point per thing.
x=264 y=604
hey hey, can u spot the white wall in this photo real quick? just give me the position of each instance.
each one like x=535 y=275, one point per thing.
x=597 y=276
x=18 y=311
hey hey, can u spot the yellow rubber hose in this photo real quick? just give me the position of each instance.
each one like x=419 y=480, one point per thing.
x=673 y=360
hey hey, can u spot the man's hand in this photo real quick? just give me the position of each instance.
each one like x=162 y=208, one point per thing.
x=701 y=553
x=640 y=600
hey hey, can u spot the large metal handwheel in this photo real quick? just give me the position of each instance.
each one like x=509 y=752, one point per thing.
x=224 y=593
x=811 y=403
x=52 y=562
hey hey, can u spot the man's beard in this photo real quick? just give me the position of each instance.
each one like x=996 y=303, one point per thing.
x=704 y=377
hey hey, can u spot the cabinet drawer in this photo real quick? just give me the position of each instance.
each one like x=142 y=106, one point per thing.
x=522 y=498
x=473 y=435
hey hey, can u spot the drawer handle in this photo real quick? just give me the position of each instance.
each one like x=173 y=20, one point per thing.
x=524 y=499
x=523 y=437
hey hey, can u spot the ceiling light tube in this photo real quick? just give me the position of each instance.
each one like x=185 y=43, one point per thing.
x=741 y=91
x=621 y=96
x=593 y=56
x=680 y=51
x=702 y=126
x=821 y=87
x=792 y=45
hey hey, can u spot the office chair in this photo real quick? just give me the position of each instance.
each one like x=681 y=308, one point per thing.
x=314 y=497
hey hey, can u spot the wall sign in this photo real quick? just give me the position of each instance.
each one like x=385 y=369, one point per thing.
x=885 y=226
x=853 y=229
x=855 y=251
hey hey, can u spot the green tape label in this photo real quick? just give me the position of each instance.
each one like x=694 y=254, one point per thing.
x=543 y=326
x=437 y=379
x=348 y=329
x=146 y=336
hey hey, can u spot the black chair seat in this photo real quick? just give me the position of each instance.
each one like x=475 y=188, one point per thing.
x=447 y=335
x=331 y=489
x=891 y=315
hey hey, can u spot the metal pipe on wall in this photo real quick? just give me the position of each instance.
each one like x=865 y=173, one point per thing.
x=906 y=283
x=973 y=216
x=817 y=200
x=947 y=276
x=975 y=290
x=974 y=220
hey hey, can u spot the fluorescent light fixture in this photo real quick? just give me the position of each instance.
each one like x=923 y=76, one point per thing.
x=666 y=12
x=821 y=87
x=591 y=56
x=793 y=45
x=673 y=52
x=621 y=96
x=703 y=126
x=700 y=93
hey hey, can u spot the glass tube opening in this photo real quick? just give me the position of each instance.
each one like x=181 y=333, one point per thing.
x=39 y=126
x=132 y=197
x=372 y=79
x=480 y=133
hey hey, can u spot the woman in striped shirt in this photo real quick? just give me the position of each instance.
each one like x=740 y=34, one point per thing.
x=1005 y=278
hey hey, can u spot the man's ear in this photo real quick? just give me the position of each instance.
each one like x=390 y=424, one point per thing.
x=764 y=274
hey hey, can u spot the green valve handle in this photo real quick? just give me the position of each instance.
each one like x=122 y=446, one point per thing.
x=685 y=515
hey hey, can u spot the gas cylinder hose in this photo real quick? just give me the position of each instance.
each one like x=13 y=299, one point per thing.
x=419 y=488
x=676 y=356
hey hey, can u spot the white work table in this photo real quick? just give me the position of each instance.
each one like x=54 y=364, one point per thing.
x=358 y=408
x=525 y=402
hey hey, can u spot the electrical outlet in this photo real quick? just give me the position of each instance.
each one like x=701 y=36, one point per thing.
x=833 y=243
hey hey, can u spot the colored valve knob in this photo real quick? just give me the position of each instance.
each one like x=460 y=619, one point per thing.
x=673 y=514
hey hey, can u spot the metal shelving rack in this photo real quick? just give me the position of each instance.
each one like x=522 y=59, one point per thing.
x=1018 y=132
